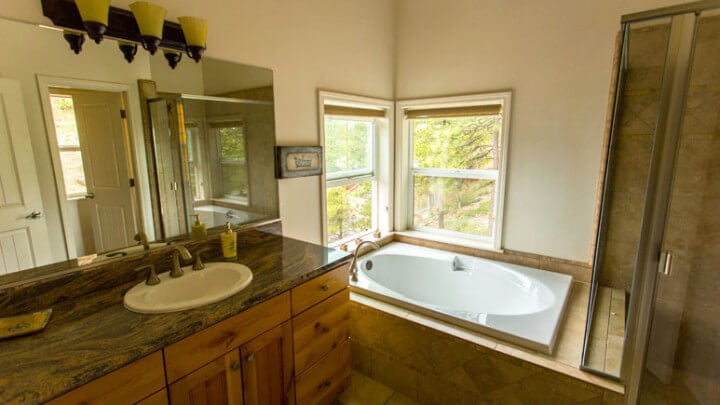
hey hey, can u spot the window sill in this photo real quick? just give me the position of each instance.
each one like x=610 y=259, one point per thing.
x=470 y=243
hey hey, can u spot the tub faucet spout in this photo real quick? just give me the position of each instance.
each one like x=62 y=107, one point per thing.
x=353 y=264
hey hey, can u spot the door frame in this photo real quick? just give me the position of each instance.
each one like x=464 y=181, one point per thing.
x=131 y=98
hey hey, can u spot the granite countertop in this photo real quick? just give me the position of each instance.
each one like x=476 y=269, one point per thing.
x=92 y=335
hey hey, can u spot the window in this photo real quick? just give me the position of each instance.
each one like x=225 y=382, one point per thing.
x=455 y=150
x=68 y=140
x=233 y=165
x=356 y=134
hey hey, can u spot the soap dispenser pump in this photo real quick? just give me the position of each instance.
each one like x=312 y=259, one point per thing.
x=198 y=230
x=228 y=239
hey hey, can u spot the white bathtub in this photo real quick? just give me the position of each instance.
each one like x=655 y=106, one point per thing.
x=215 y=215
x=516 y=303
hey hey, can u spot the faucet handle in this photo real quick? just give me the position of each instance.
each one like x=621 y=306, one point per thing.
x=198 y=265
x=180 y=251
x=152 y=277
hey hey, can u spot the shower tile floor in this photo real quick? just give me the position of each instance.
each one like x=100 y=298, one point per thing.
x=608 y=331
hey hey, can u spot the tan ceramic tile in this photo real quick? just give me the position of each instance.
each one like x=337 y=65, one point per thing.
x=361 y=357
x=613 y=355
x=647 y=46
x=601 y=313
x=395 y=374
x=365 y=391
x=616 y=324
x=400 y=399
x=551 y=388
x=432 y=390
x=595 y=356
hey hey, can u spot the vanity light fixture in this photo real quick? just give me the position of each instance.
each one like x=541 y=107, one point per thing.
x=150 y=19
x=129 y=49
x=143 y=24
x=195 y=30
x=94 y=14
x=173 y=57
x=75 y=40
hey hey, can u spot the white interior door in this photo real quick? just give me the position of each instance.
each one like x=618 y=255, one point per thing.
x=105 y=160
x=23 y=235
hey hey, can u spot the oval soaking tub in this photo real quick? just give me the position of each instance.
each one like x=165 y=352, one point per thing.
x=515 y=303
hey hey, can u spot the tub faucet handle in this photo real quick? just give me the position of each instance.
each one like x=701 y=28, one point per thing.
x=353 y=264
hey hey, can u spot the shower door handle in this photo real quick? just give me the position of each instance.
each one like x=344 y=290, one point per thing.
x=665 y=263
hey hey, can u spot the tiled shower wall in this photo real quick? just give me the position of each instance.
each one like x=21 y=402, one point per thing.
x=631 y=155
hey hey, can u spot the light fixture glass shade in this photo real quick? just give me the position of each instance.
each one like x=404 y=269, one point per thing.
x=94 y=14
x=150 y=18
x=94 y=10
x=195 y=30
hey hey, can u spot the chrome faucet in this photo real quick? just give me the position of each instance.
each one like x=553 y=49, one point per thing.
x=141 y=239
x=178 y=252
x=353 y=264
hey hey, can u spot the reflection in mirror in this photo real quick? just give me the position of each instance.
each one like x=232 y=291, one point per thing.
x=214 y=138
x=90 y=174
x=639 y=83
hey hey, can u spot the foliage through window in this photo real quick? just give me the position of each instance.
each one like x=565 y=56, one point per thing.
x=455 y=168
x=350 y=174
x=233 y=162
x=68 y=141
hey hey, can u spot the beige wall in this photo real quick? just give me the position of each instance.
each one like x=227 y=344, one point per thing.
x=554 y=55
x=556 y=58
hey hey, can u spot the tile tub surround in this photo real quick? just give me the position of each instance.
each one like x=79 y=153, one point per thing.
x=93 y=334
x=436 y=363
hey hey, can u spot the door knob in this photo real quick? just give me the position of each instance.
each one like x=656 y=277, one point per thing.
x=34 y=215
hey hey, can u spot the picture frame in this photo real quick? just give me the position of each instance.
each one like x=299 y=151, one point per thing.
x=298 y=161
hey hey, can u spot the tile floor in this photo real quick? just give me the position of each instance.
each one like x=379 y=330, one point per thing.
x=365 y=391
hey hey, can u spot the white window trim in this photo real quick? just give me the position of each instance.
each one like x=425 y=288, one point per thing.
x=383 y=170
x=403 y=171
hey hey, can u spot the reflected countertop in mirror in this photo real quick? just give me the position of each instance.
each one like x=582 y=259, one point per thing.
x=92 y=167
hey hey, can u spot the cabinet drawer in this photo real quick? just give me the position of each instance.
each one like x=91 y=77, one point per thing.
x=326 y=379
x=320 y=329
x=129 y=384
x=313 y=291
x=191 y=353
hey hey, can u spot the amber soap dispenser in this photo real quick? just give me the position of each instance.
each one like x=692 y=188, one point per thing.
x=228 y=239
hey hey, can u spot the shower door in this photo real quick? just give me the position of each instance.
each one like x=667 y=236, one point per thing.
x=682 y=360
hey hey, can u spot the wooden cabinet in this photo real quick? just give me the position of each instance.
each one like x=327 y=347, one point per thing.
x=218 y=382
x=321 y=333
x=130 y=384
x=267 y=368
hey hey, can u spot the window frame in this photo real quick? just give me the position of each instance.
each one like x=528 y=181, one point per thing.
x=381 y=172
x=405 y=172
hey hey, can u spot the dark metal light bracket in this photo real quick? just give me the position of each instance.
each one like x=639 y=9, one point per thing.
x=121 y=24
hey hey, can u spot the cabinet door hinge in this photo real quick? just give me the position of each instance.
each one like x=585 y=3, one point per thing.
x=123 y=114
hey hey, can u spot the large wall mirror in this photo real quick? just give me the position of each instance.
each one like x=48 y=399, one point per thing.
x=103 y=157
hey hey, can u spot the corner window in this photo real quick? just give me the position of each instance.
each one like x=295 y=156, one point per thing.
x=355 y=134
x=455 y=152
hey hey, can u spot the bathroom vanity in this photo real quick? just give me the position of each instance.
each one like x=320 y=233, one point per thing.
x=283 y=339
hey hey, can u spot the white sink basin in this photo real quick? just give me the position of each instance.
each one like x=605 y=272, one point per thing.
x=214 y=283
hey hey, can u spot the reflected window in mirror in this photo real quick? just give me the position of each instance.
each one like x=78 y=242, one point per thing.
x=231 y=139
x=68 y=140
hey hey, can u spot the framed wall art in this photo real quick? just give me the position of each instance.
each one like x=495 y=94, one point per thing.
x=297 y=161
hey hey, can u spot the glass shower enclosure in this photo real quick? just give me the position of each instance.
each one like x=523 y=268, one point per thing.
x=658 y=252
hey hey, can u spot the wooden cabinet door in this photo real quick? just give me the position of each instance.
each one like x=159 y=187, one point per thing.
x=267 y=363
x=218 y=382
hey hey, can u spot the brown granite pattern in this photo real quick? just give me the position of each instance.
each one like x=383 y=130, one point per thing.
x=91 y=333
